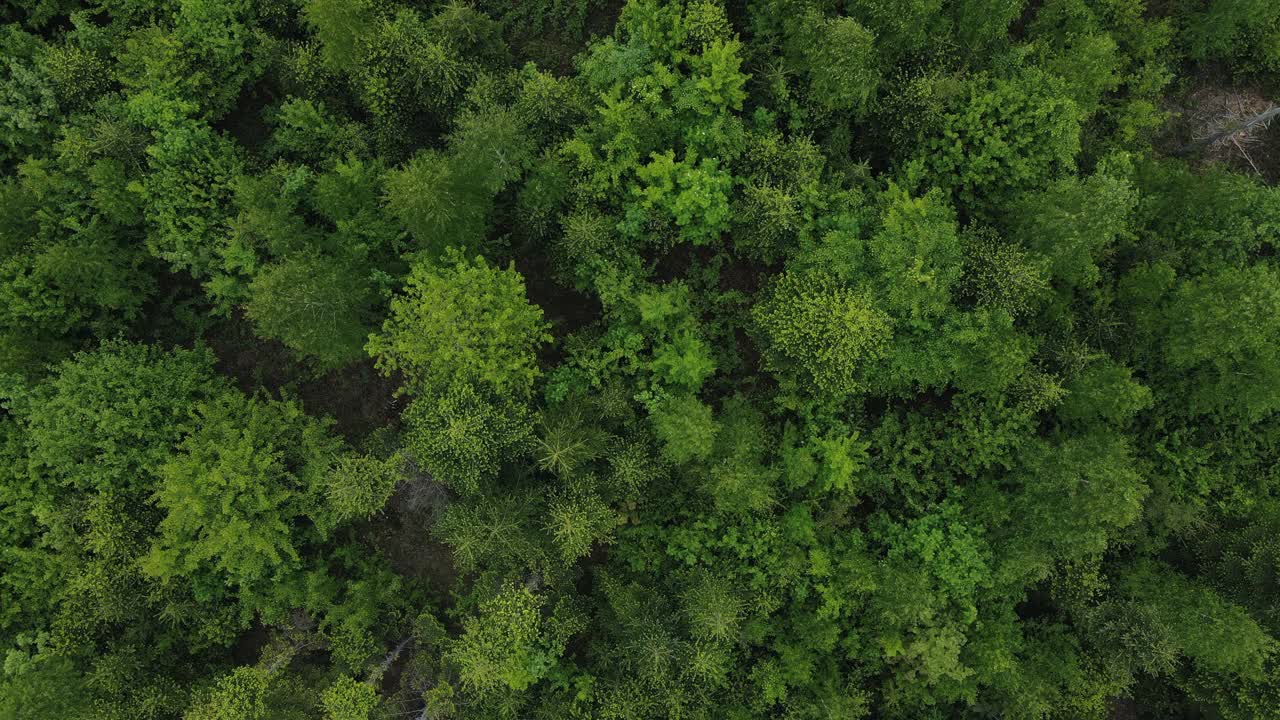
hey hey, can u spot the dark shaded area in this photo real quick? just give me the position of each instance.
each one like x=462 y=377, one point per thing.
x=358 y=398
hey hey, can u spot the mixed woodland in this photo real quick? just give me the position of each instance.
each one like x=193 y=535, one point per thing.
x=687 y=359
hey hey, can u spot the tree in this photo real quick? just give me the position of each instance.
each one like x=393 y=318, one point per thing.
x=340 y=27
x=72 y=262
x=358 y=486
x=1198 y=222
x=29 y=102
x=843 y=66
x=316 y=306
x=1223 y=329
x=1074 y=224
x=257 y=692
x=234 y=495
x=187 y=195
x=462 y=435
x=1226 y=29
x=349 y=699
x=216 y=38
x=1006 y=136
x=307 y=130
x=1091 y=475
x=44 y=686
x=833 y=460
x=189 y=71
x=694 y=192
x=400 y=62
x=814 y=323
x=502 y=646
x=1000 y=273
x=685 y=427
x=926 y=606
x=495 y=532
x=437 y=202
x=108 y=420
x=982 y=24
x=577 y=519
x=1106 y=390
x=462 y=322
x=1217 y=635
x=903 y=28
x=85 y=449
x=240 y=694
x=917 y=255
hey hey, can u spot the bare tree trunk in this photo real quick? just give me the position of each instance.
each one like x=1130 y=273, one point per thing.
x=377 y=673
x=285 y=656
x=1260 y=119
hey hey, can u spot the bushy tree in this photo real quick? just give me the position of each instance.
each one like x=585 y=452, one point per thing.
x=1242 y=29
x=463 y=322
x=927 y=605
x=41 y=687
x=1074 y=224
x=998 y=139
x=235 y=495
x=240 y=694
x=844 y=67
x=315 y=306
x=999 y=272
x=85 y=450
x=349 y=699
x=358 y=486
x=1223 y=328
x=828 y=331
x=462 y=435
x=72 y=264
x=686 y=428
x=340 y=27
x=108 y=420
x=917 y=255
x=578 y=519
x=29 y=99
x=694 y=192
x=1094 y=475
x=435 y=202
x=500 y=646
x=187 y=197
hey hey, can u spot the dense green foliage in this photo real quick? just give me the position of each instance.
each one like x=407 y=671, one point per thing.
x=690 y=359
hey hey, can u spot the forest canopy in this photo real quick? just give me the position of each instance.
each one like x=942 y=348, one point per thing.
x=639 y=359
